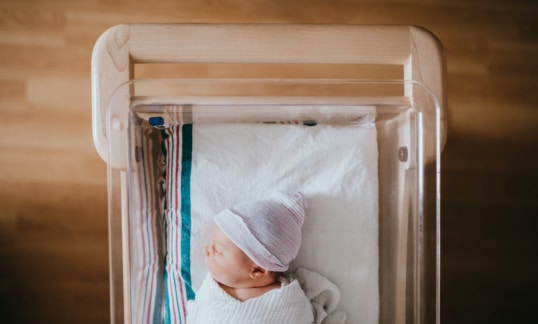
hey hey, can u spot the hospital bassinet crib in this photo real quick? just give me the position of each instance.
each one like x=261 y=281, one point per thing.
x=190 y=118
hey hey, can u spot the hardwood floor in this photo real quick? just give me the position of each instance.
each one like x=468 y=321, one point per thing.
x=53 y=223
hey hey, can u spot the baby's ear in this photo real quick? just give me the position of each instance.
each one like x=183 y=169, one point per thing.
x=258 y=272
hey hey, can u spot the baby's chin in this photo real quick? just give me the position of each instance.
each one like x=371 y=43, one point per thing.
x=214 y=274
x=220 y=281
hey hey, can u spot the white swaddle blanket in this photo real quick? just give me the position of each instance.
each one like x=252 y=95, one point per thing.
x=323 y=295
x=335 y=166
x=285 y=305
x=307 y=297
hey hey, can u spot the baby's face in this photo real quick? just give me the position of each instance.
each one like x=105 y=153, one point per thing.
x=226 y=262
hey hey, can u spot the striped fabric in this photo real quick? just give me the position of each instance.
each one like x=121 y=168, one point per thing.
x=160 y=221
x=146 y=228
x=177 y=150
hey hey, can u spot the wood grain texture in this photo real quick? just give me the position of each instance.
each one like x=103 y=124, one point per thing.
x=53 y=226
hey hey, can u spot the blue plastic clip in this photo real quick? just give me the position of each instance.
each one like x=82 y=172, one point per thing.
x=156 y=121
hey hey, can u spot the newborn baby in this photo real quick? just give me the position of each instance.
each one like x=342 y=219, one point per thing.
x=251 y=245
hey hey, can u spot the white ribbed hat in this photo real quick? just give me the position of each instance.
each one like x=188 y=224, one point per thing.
x=267 y=230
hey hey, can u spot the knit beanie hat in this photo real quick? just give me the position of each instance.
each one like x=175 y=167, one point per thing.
x=268 y=231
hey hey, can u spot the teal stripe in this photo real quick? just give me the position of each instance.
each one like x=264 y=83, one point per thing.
x=166 y=315
x=186 y=166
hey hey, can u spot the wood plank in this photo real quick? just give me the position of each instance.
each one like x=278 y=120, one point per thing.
x=344 y=71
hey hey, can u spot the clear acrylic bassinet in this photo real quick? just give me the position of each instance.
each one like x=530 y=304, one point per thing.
x=389 y=78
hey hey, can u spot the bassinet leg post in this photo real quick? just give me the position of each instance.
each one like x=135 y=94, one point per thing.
x=126 y=260
x=120 y=311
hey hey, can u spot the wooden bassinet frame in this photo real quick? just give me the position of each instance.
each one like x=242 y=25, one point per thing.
x=417 y=51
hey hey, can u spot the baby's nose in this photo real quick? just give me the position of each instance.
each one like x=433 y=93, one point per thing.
x=208 y=249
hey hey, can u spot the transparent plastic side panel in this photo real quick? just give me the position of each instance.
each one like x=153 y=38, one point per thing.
x=409 y=213
x=407 y=119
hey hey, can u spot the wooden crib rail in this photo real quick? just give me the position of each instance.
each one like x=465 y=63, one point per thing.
x=121 y=47
x=269 y=43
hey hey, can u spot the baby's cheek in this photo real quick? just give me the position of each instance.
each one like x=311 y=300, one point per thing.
x=210 y=265
x=212 y=262
x=214 y=268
